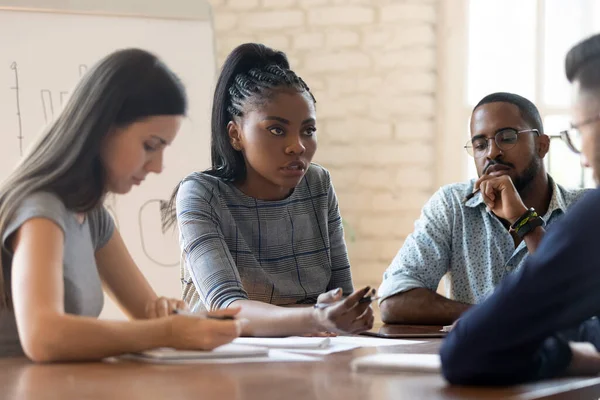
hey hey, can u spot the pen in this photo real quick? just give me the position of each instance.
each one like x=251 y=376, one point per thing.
x=208 y=316
x=366 y=299
x=470 y=196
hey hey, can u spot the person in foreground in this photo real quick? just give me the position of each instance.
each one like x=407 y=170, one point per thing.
x=261 y=229
x=59 y=244
x=542 y=321
x=472 y=240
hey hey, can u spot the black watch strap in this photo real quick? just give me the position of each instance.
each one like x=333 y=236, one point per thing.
x=527 y=223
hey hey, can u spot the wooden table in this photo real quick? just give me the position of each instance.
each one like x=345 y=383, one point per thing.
x=330 y=379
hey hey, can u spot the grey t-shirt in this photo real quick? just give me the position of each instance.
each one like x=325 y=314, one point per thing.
x=82 y=285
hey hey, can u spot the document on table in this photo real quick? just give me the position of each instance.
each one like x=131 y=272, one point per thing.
x=226 y=354
x=321 y=346
x=366 y=341
x=287 y=343
x=398 y=362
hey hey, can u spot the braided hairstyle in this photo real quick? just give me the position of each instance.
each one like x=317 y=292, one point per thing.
x=251 y=76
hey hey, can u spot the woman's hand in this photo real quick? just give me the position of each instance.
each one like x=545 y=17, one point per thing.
x=202 y=333
x=344 y=315
x=163 y=307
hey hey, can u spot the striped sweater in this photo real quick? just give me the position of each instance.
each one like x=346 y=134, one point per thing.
x=280 y=252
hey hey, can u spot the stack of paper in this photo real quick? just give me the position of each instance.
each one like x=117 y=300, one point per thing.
x=226 y=354
x=225 y=351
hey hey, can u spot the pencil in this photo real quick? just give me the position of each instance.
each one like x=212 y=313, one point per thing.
x=366 y=299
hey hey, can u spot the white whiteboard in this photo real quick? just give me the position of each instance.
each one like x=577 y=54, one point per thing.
x=42 y=56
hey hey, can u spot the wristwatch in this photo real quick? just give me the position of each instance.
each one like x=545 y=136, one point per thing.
x=527 y=223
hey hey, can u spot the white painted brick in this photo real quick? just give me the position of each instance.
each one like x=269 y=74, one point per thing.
x=342 y=178
x=341 y=84
x=352 y=2
x=350 y=15
x=376 y=37
x=295 y=62
x=355 y=130
x=277 y=42
x=350 y=221
x=396 y=226
x=315 y=83
x=410 y=201
x=424 y=57
x=415 y=105
x=368 y=273
x=354 y=105
x=371 y=249
x=225 y=22
x=416 y=200
x=379 y=179
x=397 y=37
x=271 y=20
x=230 y=42
x=368 y=84
x=385 y=202
x=411 y=35
x=339 y=156
x=241 y=5
x=326 y=107
x=414 y=178
x=341 y=61
x=215 y=4
x=395 y=153
x=278 y=3
x=401 y=201
x=411 y=129
x=310 y=3
x=408 y=12
x=308 y=40
x=351 y=201
x=342 y=38
x=379 y=155
x=410 y=81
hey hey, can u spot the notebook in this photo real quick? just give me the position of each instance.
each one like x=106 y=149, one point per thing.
x=398 y=362
x=225 y=351
x=292 y=342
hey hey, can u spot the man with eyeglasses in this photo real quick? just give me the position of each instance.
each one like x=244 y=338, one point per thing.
x=542 y=321
x=480 y=238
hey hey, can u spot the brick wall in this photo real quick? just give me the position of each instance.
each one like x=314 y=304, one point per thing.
x=372 y=67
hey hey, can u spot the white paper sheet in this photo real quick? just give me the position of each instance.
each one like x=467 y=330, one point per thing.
x=229 y=350
x=333 y=348
x=366 y=341
x=292 y=342
x=274 y=356
x=344 y=343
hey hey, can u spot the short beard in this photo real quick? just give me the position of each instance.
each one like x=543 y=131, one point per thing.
x=524 y=179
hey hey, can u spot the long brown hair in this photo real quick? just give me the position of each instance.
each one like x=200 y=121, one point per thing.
x=122 y=88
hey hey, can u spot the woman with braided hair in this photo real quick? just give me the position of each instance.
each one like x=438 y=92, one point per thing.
x=261 y=229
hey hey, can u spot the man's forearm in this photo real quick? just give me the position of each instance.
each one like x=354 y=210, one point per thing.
x=421 y=307
x=534 y=238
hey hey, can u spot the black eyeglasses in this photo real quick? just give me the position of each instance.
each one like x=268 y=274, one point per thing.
x=572 y=136
x=505 y=139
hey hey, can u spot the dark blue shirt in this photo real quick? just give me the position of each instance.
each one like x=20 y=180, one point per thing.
x=521 y=332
